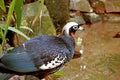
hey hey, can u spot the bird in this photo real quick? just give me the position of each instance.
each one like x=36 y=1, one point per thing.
x=42 y=55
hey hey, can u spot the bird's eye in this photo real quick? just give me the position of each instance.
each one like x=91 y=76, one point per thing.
x=75 y=27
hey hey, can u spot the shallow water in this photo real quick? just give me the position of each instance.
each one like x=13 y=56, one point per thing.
x=101 y=57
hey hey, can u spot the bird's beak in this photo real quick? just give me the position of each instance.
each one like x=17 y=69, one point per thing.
x=80 y=27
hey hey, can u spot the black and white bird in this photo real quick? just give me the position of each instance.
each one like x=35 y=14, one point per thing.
x=40 y=56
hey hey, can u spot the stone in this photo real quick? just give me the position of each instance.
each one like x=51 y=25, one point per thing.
x=79 y=19
x=112 y=6
x=91 y=17
x=111 y=17
x=98 y=5
x=76 y=16
x=59 y=12
x=39 y=22
x=82 y=5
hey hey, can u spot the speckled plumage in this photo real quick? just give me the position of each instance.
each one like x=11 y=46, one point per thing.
x=39 y=56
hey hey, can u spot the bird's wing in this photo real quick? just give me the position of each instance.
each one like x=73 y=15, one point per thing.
x=36 y=54
x=18 y=62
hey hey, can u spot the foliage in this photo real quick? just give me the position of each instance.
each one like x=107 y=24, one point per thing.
x=15 y=5
x=2 y=6
x=2 y=27
x=58 y=73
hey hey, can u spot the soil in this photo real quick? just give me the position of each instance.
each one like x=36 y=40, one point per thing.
x=101 y=57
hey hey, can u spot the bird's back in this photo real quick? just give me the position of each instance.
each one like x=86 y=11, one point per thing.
x=38 y=54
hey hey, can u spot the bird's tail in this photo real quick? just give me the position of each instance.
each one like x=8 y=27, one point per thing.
x=5 y=76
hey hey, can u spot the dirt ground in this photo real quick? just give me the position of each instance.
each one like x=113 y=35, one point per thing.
x=101 y=57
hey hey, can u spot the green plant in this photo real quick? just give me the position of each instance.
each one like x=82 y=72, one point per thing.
x=15 y=10
x=58 y=73
x=15 y=5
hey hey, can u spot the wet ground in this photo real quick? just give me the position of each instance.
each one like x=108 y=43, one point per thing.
x=101 y=57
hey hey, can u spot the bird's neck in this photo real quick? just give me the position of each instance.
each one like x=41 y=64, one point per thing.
x=70 y=45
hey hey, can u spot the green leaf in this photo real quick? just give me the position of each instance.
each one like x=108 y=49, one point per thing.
x=1 y=31
x=18 y=9
x=18 y=32
x=0 y=50
x=58 y=73
x=2 y=5
x=2 y=27
x=10 y=12
x=10 y=48
x=26 y=28
x=11 y=8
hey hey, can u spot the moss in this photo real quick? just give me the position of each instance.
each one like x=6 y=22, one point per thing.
x=116 y=4
x=59 y=12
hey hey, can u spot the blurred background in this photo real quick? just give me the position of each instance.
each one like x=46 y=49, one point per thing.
x=97 y=54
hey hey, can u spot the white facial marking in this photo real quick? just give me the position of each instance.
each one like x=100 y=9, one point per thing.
x=54 y=63
x=68 y=26
x=81 y=28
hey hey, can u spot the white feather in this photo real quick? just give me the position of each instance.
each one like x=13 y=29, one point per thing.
x=50 y=65
x=68 y=26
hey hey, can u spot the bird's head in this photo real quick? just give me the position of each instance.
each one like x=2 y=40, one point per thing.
x=70 y=28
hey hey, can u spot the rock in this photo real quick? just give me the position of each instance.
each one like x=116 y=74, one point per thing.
x=98 y=5
x=47 y=25
x=39 y=23
x=91 y=17
x=82 y=5
x=112 y=5
x=59 y=12
x=77 y=17
x=30 y=9
x=111 y=17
